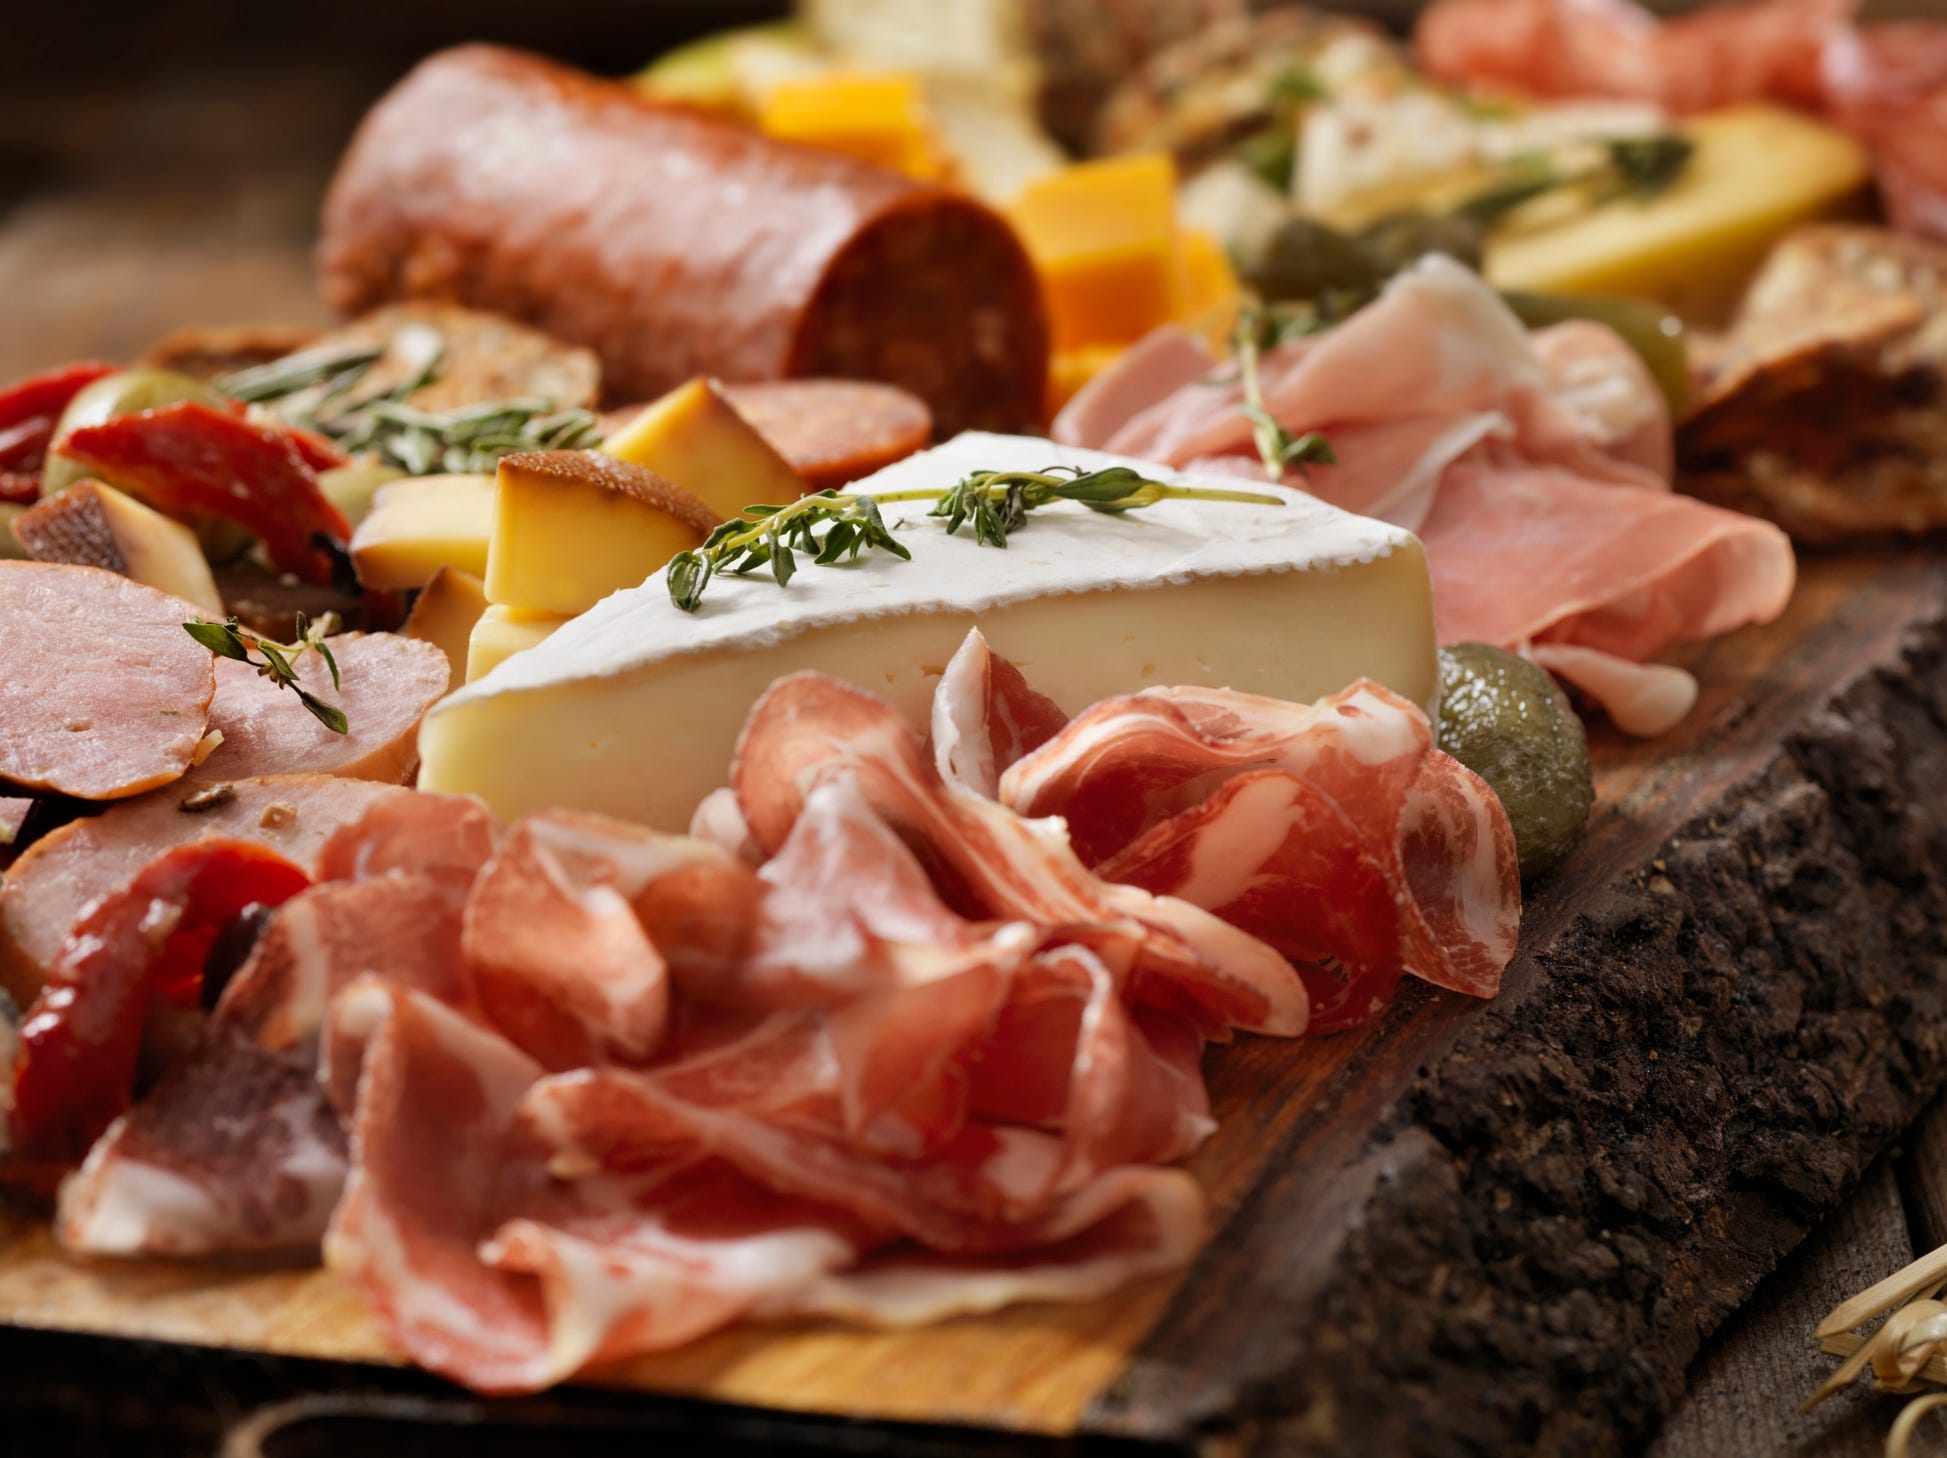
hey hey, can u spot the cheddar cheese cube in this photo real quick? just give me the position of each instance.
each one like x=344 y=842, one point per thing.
x=879 y=119
x=1103 y=239
x=695 y=438
x=570 y=527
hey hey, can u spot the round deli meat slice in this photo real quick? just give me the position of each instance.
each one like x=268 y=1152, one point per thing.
x=102 y=693
x=676 y=244
x=386 y=684
x=834 y=432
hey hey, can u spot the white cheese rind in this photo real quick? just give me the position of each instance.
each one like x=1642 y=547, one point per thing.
x=634 y=707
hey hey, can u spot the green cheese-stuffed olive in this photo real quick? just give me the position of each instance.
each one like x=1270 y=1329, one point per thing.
x=1508 y=722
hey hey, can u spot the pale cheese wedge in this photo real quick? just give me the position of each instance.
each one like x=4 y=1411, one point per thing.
x=420 y=524
x=501 y=632
x=694 y=437
x=570 y=527
x=634 y=707
x=444 y=615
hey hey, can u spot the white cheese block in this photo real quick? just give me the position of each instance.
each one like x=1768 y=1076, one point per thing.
x=633 y=708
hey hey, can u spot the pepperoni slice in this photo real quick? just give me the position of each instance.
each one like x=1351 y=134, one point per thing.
x=835 y=431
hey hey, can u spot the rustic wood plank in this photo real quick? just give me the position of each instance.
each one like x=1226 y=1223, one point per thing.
x=1743 y=1391
x=1923 y=1178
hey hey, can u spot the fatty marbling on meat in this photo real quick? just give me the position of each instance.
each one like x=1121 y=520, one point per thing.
x=676 y=244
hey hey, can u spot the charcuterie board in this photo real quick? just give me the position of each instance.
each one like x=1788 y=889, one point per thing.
x=1726 y=1004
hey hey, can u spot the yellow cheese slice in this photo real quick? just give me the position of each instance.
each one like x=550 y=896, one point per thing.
x=879 y=119
x=1757 y=171
x=94 y=525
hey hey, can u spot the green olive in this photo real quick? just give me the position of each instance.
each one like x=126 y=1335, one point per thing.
x=123 y=393
x=1305 y=259
x=1402 y=240
x=351 y=488
x=1508 y=722
x=1651 y=330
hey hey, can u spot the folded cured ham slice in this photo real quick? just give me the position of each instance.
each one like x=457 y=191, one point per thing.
x=1566 y=48
x=102 y=693
x=985 y=716
x=387 y=683
x=62 y=874
x=992 y=864
x=1534 y=467
x=1334 y=832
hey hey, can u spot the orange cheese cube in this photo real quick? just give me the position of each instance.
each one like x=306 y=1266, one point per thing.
x=1210 y=290
x=877 y=118
x=1103 y=238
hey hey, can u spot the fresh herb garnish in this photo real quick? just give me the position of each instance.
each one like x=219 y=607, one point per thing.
x=227 y=640
x=319 y=390
x=1277 y=447
x=994 y=503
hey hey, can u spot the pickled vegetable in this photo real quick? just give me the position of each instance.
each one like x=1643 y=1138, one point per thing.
x=1508 y=722
x=1651 y=330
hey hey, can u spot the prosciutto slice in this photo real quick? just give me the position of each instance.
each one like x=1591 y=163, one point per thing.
x=986 y=715
x=1535 y=468
x=1334 y=832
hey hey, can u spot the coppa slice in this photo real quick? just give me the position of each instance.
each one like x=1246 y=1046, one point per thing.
x=633 y=708
x=102 y=693
x=61 y=874
x=387 y=684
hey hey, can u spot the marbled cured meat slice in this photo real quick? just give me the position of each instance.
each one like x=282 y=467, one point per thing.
x=1334 y=832
x=102 y=693
x=990 y=863
x=447 y=836
x=234 y=1150
x=387 y=683
x=1719 y=57
x=1500 y=448
x=985 y=716
x=62 y=874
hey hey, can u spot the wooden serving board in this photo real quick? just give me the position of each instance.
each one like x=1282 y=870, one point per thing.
x=1466 y=1225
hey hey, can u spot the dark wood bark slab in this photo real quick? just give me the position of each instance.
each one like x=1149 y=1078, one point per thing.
x=1518 y=1223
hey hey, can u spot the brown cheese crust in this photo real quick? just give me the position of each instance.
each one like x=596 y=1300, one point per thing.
x=676 y=244
x=622 y=477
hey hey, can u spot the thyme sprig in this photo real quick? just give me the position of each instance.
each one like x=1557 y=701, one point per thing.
x=319 y=390
x=227 y=640
x=1277 y=447
x=829 y=525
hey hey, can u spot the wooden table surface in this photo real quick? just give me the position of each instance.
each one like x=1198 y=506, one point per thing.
x=136 y=201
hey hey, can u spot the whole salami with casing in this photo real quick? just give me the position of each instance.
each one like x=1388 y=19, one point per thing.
x=676 y=244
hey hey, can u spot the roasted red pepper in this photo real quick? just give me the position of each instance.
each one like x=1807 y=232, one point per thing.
x=29 y=412
x=82 y=1038
x=187 y=458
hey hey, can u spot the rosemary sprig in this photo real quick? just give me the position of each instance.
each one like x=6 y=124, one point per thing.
x=318 y=389
x=227 y=640
x=1277 y=447
x=829 y=525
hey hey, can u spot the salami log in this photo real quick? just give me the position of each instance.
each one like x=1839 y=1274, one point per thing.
x=676 y=244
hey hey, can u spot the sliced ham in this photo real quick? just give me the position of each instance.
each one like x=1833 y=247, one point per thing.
x=1534 y=467
x=991 y=863
x=985 y=716
x=1719 y=57
x=62 y=874
x=387 y=682
x=1334 y=832
x=102 y=693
